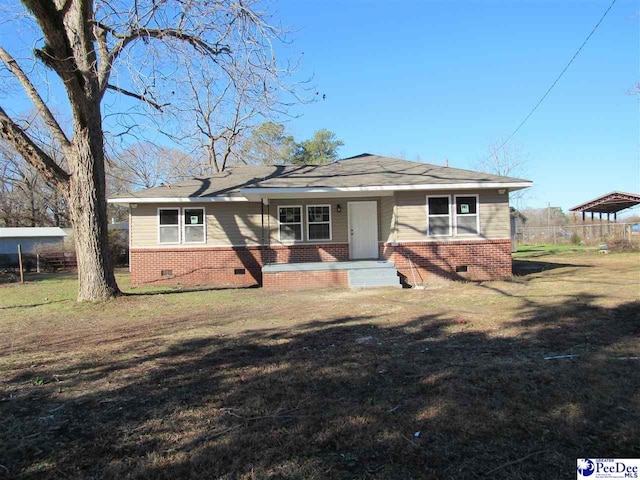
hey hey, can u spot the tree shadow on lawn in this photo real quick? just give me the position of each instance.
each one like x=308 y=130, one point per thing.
x=346 y=398
x=521 y=267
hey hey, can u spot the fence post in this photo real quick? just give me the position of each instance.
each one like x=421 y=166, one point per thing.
x=20 y=263
x=37 y=263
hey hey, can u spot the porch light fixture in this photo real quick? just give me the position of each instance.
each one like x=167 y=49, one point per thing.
x=501 y=191
x=338 y=208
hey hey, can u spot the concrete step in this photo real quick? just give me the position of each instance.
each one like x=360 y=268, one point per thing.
x=374 y=277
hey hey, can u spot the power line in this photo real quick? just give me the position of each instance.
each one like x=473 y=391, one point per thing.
x=558 y=78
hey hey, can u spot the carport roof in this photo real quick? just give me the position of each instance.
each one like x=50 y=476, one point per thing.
x=610 y=203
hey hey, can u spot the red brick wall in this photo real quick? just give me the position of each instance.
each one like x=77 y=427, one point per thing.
x=484 y=259
x=216 y=265
x=302 y=280
x=335 y=252
x=197 y=266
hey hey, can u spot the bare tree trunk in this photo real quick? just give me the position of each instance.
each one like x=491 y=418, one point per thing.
x=88 y=209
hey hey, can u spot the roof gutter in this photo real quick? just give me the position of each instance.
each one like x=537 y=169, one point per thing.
x=129 y=200
x=255 y=194
x=266 y=192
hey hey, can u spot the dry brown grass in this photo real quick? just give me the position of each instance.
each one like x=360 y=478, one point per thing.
x=330 y=384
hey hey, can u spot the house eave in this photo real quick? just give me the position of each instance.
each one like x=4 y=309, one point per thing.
x=130 y=200
x=257 y=193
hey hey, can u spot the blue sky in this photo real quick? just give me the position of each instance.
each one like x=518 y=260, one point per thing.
x=443 y=79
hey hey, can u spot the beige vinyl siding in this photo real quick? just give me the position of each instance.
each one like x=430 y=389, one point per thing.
x=411 y=222
x=387 y=219
x=494 y=215
x=233 y=223
x=412 y=214
x=339 y=221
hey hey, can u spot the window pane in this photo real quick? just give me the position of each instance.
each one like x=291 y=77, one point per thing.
x=193 y=216
x=467 y=224
x=194 y=234
x=169 y=234
x=466 y=205
x=290 y=214
x=290 y=232
x=319 y=214
x=319 y=231
x=439 y=206
x=169 y=217
x=439 y=226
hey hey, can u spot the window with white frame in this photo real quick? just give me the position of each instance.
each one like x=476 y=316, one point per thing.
x=467 y=215
x=290 y=223
x=439 y=215
x=193 y=225
x=169 y=225
x=319 y=222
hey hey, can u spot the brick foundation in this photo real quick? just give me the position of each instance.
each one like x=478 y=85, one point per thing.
x=197 y=266
x=242 y=266
x=484 y=259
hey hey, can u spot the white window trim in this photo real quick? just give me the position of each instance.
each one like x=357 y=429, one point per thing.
x=450 y=215
x=301 y=222
x=184 y=225
x=477 y=215
x=171 y=226
x=309 y=223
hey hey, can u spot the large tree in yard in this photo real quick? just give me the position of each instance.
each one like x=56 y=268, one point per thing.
x=92 y=49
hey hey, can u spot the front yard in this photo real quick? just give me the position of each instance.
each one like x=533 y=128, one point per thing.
x=454 y=381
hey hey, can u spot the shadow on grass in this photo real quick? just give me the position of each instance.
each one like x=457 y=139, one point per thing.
x=522 y=267
x=32 y=305
x=343 y=398
x=172 y=290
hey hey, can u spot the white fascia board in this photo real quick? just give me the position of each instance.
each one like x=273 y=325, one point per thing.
x=129 y=200
x=386 y=188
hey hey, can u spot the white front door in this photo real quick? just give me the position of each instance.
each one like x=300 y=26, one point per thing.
x=363 y=230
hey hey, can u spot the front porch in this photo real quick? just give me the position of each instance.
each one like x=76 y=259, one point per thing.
x=354 y=274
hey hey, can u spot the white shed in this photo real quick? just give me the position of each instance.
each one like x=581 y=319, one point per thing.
x=28 y=238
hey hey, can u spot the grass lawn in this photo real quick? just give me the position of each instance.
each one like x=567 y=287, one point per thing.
x=450 y=382
x=541 y=250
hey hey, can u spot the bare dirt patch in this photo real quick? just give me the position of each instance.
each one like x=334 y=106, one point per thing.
x=445 y=383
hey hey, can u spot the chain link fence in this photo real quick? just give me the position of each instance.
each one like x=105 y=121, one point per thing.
x=587 y=234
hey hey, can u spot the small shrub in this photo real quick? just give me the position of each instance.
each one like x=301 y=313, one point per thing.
x=575 y=239
x=622 y=245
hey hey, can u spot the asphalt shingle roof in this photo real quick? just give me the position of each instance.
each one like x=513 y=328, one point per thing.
x=360 y=171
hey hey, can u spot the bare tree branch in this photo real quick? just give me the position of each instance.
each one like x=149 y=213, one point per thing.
x=35 y=97
x=155 y=105
x=200 y=45
x=47 y=167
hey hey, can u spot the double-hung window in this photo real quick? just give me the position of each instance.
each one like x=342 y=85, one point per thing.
x=290 y=223
x=467 y=215
x=181 y=225
x=439 y=215
x=168 y=225
x=193 y=225
x=319 y=222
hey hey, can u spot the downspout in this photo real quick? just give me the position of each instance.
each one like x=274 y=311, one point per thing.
x=262 y=231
